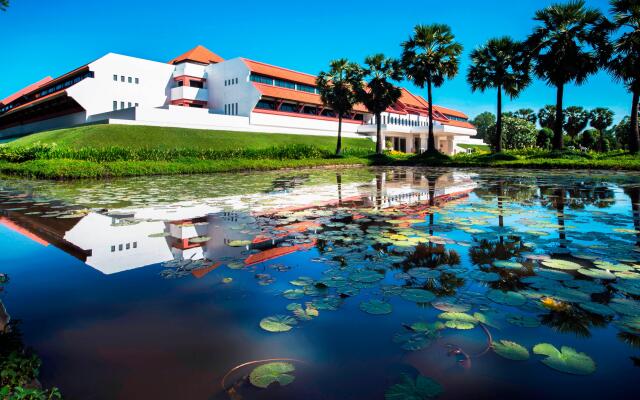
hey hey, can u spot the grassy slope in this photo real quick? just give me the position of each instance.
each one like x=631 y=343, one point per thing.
x=151 y=136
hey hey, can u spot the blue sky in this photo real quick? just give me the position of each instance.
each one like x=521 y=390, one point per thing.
x=51 y=38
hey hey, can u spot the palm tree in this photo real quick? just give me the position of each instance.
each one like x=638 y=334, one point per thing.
x=4 y=4
x=526 y=114
x=429 y=57
x=577 y=120
x=378 y=93
x=601 y=118
x=625 y=63
x=500 y=65
x=336 y=90
x=547 y=116
x=567 y=47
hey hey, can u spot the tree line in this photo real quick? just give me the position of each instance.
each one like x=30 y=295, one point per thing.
x=570 y=43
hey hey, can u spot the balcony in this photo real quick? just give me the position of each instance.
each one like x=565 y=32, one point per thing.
x=189 y=93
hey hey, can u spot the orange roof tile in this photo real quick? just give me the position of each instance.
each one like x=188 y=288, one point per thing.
x=449 y=111
x=279 y=72
x=295 y=95
x=199 y=54
x=409 y=99
x=26 y=90
x=461 y=124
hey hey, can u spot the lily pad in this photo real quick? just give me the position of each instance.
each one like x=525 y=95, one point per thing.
x=462 y=325
x=266 y=374
x=566 y=359
x=507 y=298
x=523 y=321
x=366 y=276
x=507 y=264
x=458 y=316
x=409 y=389
x=376 y=307
x=511 y=350
x=239 y=243
x=561 y=264
x=424 y=273
x=418 y=295
x=597 y=273
x=451 y=307
x=278 y=323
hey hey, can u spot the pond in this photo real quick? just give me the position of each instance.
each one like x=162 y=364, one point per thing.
x=322 y=284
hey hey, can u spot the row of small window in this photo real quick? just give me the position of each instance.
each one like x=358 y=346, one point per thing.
x=282 y=83
x=128 y=79
x=453 y=117
x=229 y=82
x=402 y=121
x=308 y=110
x=192 y=83
x=231 y=109
x=47 y=91
x=122 y=105
x=125 y=246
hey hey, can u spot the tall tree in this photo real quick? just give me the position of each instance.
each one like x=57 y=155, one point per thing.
x=336 y=89
x=499 y=64
x=577 y=119
x=547 y=116
x=601 y=118
x=429 y=57
x=482 y=122
x=567 y=48
x=378 y=92
x=625 y=63
x=527 y=114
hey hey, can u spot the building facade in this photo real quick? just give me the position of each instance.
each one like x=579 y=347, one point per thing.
x=201 y=90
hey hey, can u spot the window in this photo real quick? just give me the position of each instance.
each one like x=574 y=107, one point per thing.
x=236 y=81
x=196 y=84
x=137 y=82
x=113 y=248
x=225 y=109
x=135 y=245
x=115 y=105
x=128 y=246
x=306 y=88
x=129 y=79
x=180 y=83
x=136 y=104
x=129 y=105
x=261 y=79
x=236 y=108
x=115 y=78
x=286 y=107
x=119 y=247
x=122 y=104
x=266 y=105
x=225 y=82
x=122 y=78
x=285 y=84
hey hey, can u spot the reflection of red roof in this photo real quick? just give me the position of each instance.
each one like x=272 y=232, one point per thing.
x=295 y=95
x=200 y=272
x=299 y=227
x=16 y=228
x=26 y=90
x=199 y=54
x=276 y=252
x=279 y=72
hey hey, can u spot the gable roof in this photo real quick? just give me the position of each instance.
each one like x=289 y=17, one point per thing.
x=279 y=72
x=25 y=90
x=295 y=95
x=199 y=54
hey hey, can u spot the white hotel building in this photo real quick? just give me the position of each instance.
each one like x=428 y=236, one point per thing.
x=201 y=90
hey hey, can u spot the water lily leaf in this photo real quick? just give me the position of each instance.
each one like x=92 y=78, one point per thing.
x=422 y=326
x=507 y=264
x=307 y=313
x=451 y=307
x=508 y=298
x=561 y=264
x=199 y=239
x=376 y=307
x=266 y=374
x=409 y=389
x=597 y=273
x=597 y=308
x=227 y=280
x=511 y=350
x=458 y=316
x=424 y=273
x=523 y=321
x=485 y=276
x=554 y=275
x=566 y=359
x=366 y=276
x=418 y=295
x=278 y=323
x=462 y=325
x=612 y=267
x=293 y=294
x=239 y=243
x=489 y=318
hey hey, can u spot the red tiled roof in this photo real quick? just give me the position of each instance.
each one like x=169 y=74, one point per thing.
x=449 y=111
x=279 y=72
x=295 y=95
x=36 y=101
x=26 y=90
x=461 y=124
x=409 y=99
x=198 y=54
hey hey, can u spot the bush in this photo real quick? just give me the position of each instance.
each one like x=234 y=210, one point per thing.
x=544 y=138
x=517 y=133
x=589 y=138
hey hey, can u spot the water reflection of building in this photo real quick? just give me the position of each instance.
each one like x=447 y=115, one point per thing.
x=125 y=239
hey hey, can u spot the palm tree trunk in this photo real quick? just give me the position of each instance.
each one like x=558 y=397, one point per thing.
x=634 y=135
x=431 y=140
x=498 y=137
x=339 y=144
x=601 y=140
x=558 y=141
x=378 y=134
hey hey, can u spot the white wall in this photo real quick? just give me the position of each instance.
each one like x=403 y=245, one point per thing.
x=244 y=92
x=96 y=95
x=64 y=121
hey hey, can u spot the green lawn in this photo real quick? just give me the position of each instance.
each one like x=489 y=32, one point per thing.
x=168 y=138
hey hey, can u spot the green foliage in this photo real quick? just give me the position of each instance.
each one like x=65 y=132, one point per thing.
x=566 y=359
x=544 y=138
x=577 y=119
x=482 y=123
x=547 y=116
x=409 y=389
x=266 y=374
x=510 y=350
x=517 y=133
x=589 y=138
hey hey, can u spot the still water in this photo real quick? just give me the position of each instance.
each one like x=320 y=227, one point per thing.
x=353 y=284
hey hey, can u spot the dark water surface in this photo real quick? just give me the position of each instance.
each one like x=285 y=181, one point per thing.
x=155 y=288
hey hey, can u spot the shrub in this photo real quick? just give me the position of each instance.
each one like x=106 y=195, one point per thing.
x=517 y=133
x=544 y=138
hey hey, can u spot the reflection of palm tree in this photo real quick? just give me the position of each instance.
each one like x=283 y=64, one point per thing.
x=378 y=195
x=339 y=184
x=434 y=256
x=573 y=320
x=634 y=195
